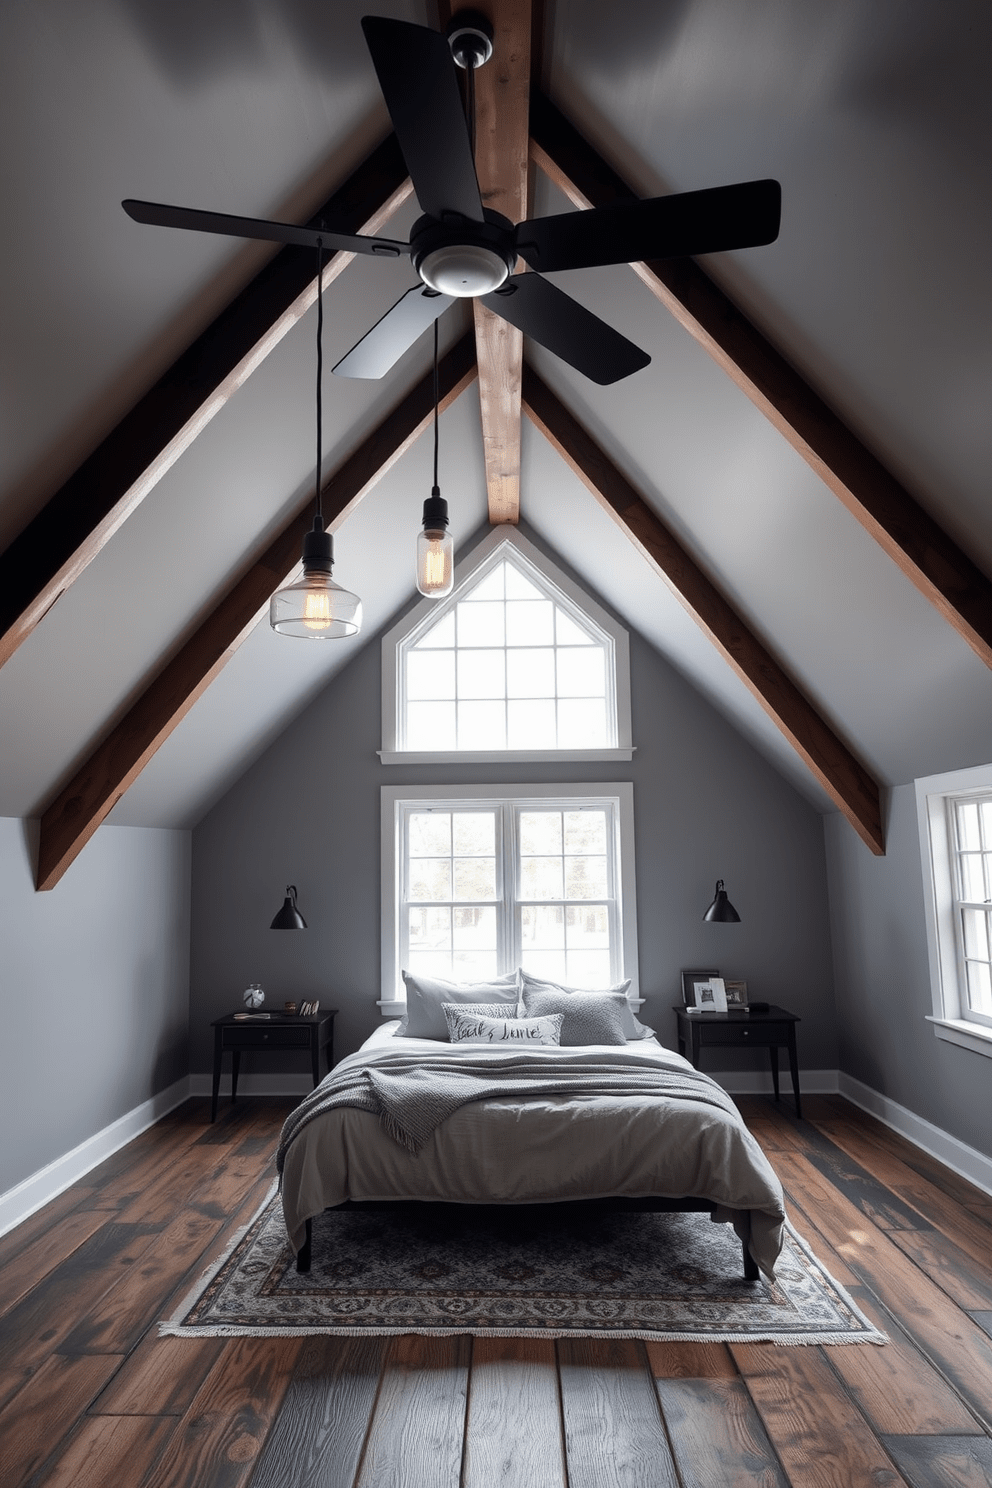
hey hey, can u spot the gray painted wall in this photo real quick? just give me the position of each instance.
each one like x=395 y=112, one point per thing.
x=883 y=981
x=706 y=805
x=95 y=988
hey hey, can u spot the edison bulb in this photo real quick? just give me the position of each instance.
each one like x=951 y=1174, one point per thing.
x=435 y=562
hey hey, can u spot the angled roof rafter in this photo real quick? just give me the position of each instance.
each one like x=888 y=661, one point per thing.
x=952 y=582
x=117 y=761
x=81 y=517
x=845 y=779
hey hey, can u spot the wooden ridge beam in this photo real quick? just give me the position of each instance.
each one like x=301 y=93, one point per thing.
x=55 y=547
x=502 y=142
x=916 y=543
x=118 y=760
x=831 y=762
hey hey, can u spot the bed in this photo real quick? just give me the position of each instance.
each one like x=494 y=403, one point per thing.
x=636 y=1125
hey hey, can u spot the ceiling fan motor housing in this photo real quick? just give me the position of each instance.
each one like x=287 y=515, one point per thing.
x=462 y=258
x=470 y=37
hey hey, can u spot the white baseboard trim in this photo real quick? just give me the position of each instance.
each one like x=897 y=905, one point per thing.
x=40 y=1188
x=966 y=1161
x=285 y=1083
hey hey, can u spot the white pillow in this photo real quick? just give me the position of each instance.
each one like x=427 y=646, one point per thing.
x=631 y=1027
x=466 y=1026
x=425 y=996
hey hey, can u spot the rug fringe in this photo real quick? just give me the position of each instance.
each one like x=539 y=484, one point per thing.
x=176 y=1330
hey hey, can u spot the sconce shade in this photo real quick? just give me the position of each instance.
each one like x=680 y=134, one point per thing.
x=721 y=909
x=289 y=917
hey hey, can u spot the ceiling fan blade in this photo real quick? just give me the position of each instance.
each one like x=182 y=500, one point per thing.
x=159 y=215
x=567 y=328
x=741 y=216
x=418 y=81
x=382 y=346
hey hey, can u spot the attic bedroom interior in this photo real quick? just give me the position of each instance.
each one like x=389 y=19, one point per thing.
x=652 y=736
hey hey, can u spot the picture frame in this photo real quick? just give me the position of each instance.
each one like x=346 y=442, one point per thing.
x=736 y=991
x=709 y=995
x=688 y=980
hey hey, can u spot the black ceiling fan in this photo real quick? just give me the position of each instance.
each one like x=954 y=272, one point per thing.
x=461 y=249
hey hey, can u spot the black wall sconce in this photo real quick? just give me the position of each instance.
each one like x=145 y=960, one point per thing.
x=289 y=917
x=721 y=910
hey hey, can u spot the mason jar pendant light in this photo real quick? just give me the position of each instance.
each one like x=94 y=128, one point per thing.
x=316 y=608
x=435 y=551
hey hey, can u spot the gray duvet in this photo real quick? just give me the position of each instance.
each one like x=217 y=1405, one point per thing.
x=573 y=1123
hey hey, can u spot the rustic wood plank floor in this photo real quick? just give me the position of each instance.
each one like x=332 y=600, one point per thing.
x=91 y=1396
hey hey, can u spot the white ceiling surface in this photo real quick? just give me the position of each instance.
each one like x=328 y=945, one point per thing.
x=874 y=116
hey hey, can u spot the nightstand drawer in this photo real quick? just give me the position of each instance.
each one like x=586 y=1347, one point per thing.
x=259 y=1038
x=736 y=1034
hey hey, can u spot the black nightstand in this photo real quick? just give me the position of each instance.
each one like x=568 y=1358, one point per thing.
x=267 y=1035
x=742 y=1029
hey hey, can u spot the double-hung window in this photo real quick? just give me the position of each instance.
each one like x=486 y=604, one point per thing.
x=955 y=816
x=485 y=879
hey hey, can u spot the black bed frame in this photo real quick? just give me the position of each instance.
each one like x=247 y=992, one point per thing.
x=651 y=1205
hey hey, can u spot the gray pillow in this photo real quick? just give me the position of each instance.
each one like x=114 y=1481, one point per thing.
x=590 y=1017
x=632 y=1028
x=466 y=1026
x=425 y=997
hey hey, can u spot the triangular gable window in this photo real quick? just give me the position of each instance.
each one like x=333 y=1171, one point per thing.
x=516 y=662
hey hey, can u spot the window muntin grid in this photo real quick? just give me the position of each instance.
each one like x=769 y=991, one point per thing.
x=486 y=888
x=971 y=838
x=508 y=667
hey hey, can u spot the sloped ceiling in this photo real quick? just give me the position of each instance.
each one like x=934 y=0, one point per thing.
x=875 y=116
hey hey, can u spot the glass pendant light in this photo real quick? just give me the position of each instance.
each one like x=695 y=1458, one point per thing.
x=435 y=550
x=316 y=608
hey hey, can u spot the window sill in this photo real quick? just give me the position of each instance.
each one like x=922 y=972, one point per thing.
x=966 y=1035
x=502 y=756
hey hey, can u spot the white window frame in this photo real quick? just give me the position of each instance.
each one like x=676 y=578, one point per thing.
x=491 y=551
x=619 y=795
x=935 y=796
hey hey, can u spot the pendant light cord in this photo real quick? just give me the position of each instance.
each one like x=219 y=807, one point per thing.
x=436 y=490
x=319 y=517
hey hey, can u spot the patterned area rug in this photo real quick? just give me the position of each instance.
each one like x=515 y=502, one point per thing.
x=534 y=1271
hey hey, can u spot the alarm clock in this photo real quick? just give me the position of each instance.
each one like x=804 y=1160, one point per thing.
x=253 y=996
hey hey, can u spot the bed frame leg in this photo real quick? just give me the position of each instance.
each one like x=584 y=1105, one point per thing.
x=303 y=1254
x=751 y=1272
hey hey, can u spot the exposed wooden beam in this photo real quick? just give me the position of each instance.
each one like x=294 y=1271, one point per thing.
x=831 y=762
x=52 y=551
x=923 y=551
x=118 y=760
x=502 y=94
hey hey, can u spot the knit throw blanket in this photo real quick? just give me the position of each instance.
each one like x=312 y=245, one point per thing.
x=412 y=1094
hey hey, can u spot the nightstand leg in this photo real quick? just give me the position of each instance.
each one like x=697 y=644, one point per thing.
x=235 y=1069
x=217 y=1059
x=315 y=1055
x=794 y=1071
x=773 y=1057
